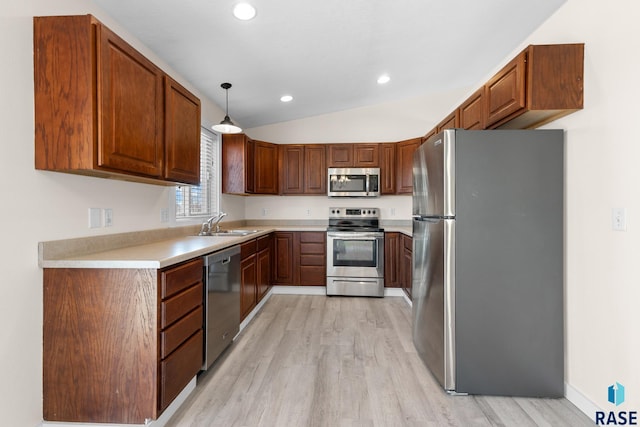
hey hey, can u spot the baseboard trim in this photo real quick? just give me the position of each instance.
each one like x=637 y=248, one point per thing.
x=581 y=401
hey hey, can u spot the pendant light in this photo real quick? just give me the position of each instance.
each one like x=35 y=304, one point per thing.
x=226 y=125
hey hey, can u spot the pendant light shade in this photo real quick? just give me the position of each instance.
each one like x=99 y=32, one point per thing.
x=226 y=125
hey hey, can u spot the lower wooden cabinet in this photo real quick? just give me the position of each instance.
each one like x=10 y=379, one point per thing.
x=119 y=344
x=392 y=271
x=407 y=263
x=300 y=258
x=255 y=272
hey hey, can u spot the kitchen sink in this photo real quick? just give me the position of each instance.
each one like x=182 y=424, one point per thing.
x=230 y=233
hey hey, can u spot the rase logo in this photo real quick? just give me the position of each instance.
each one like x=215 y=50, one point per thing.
x=615 y=396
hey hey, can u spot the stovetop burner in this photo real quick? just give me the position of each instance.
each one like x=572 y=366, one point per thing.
x=354 y=219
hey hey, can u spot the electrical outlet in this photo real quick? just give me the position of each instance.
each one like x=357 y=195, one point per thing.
x=264 y=212
x=619 y=219
x=164 y=215
x=108 y=217
x=393 y=211
x=95 y=217
x=308 y=212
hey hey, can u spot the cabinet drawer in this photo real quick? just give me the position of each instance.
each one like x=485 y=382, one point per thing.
x=181 y=277
x=248 y=248
x=178 y=369
x=179 y=305
x=263 y=242
x=177 y=333
x=313 y=259
x=312 y=237
x=313 y=276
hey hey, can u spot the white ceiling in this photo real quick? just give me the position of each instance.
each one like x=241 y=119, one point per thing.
x=329 y=53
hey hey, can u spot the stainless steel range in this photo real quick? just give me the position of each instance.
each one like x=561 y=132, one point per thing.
x=355 y=252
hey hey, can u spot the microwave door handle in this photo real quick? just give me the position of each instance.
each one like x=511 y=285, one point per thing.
x=367 y=184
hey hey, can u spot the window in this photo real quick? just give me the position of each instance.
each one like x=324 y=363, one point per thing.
x=202 y=200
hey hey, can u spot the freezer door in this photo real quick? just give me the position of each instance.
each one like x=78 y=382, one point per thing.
x=433 y=177
x=433 y=294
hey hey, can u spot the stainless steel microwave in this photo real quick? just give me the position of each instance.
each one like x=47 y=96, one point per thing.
x=353 y=182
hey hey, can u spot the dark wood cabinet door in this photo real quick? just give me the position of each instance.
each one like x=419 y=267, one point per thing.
x=504 y=93
x=388 y=168
x=292 y=169
x=266 y=169
x=472 y=111
x=340 y=155
x=404 y=153
x=407 y=263
x=264 y=262
x=234 y=157
x=452 y=121
x=366 y=155
x=392 y=270
x=315 y=169
x=283 y=258
x=182 y=134
x=130 y=99
x=248 y=281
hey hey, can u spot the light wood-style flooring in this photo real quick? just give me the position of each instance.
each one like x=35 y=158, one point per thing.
x=341 y=361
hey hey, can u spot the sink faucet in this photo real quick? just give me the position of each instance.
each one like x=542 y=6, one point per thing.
x=212 y=222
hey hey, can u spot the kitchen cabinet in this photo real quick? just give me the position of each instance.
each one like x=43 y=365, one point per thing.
x=388 y=168
x=264 y=262
x=392 y=259
x=248 y=166
x=303 y=169
x=471 y=112
x=452 y=121
x=353 y=155
x=407 y=263
x=300 y=258
x=312 y=261
x=340 y=155
x=283 y=258
x=103 y=109
x=541 y=84
x=404 y=173
x=248 y=277
x=119 y=344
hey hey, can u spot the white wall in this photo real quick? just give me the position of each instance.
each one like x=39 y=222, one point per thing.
x=39 y=206
x=602 y=152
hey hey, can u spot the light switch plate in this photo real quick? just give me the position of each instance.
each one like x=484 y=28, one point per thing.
x=619 y=219
x=108 y=217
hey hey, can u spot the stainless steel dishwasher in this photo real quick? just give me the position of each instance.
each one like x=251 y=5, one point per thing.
x=221 y=302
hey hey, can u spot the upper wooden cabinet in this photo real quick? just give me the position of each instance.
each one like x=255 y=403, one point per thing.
x=353 y=155
x=303 y=169
x=404 y=156
x=471 y=112
x=248 y=166
x=541 y=84
x=452 y=121
x=103 y=109
x=182 y=118
x=388 y=168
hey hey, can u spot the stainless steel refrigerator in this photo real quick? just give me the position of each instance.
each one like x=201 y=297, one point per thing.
x=487 y=285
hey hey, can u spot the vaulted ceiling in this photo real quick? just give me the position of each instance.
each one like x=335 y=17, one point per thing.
x=328 y=54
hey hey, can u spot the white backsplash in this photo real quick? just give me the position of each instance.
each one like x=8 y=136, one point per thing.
x=317 y=207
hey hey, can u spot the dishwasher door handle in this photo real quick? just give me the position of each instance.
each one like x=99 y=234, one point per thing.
x=226 y=261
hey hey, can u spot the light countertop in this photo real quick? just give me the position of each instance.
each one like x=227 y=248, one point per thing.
x=91 y=253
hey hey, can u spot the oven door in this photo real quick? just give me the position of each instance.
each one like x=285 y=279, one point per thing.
x=355 y=254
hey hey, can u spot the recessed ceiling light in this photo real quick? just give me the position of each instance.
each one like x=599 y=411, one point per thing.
x=383 y=79
x=286 y=98
x=244 y=11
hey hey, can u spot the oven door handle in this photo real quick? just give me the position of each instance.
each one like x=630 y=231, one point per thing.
x=356 y=235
